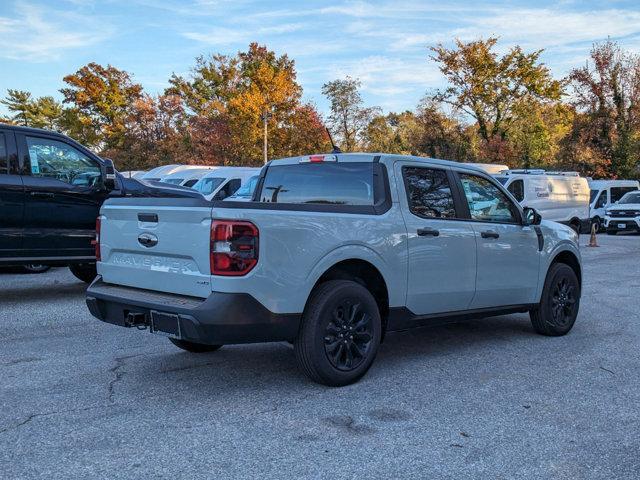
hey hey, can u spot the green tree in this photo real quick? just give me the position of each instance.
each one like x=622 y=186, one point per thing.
x=607 y=91
x=443 y=135
x=490 y=88
x=20 y=104
x=348 y=117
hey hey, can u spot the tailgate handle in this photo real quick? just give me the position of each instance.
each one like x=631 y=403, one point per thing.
x=148 y=217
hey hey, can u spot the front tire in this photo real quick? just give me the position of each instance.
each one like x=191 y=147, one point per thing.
x=194 y=347
x=340 y=333
x=558 y=308
x=84 y=271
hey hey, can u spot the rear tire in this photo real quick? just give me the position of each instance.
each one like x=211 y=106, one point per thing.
x=558 y=308
x=194 y=347
x=340 y=333
x=84 y=271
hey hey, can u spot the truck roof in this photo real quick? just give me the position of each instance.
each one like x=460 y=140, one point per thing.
x=369 y=157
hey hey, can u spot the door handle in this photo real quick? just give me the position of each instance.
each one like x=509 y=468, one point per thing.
x=424 y=232
x=42 y=194
x=489 y=234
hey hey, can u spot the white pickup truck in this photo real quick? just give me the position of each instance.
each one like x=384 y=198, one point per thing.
x=333 y=252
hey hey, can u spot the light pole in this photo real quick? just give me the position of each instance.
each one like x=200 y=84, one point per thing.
x=266 y=115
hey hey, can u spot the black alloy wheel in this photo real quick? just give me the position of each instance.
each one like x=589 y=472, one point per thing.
x=563 y=301
x=348 y=335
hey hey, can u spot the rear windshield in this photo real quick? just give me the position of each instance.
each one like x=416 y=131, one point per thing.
x=324 y=183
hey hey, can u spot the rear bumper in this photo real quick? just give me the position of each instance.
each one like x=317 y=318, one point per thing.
x=222 y=318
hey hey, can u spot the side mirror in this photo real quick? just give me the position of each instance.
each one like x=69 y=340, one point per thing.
x=531 y=217
x=108 y=174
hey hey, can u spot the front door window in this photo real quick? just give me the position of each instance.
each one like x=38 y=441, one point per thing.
x=53 y=159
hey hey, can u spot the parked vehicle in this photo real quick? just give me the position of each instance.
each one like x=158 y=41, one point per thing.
x=624 y=215
x=222 y=182
x=605 y=193
x=245 y=192
x=186 y=177
x=336 y=251
x=558 y=196
x=133 y=173
x=51 y=189
x=490 y=168
x=155 y=174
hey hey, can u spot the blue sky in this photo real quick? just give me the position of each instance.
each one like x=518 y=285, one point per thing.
x=383 y=43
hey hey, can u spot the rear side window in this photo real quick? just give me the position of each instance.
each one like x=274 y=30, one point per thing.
x=428 y=192
x=4 y=161
x=516 y=188
x=320 y=183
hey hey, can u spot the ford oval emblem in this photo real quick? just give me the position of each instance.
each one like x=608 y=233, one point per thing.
x=147 y=240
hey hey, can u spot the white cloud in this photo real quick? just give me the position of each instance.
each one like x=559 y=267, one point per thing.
x=39 y=34
x=240 y=34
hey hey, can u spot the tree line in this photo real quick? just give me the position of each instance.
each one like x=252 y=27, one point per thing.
x=506 y=109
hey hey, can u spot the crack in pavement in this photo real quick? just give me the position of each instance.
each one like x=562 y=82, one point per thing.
x=45 y=414
x=118 y=372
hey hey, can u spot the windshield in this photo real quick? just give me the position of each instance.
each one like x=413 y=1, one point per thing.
x=630 y=198
x=208 y=185
x=247 y=189
x=173 y=181
x=594 y=194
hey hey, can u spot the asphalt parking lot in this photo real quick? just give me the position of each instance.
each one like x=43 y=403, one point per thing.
x=481 y=399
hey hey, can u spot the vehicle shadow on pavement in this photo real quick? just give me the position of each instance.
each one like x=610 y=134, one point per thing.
x=270 y=367
x=38 y=293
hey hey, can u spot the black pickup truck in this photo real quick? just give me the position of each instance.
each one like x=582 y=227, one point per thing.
x=51 y=190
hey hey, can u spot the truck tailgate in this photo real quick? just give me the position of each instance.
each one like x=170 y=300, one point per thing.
x=158 y=244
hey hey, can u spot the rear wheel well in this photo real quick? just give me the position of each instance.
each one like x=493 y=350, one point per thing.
x=571 y=260
x=365 y=274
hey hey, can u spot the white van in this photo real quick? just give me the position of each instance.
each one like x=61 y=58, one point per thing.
x=222 y=182
x=558 y=196
x=605 y=193
x=155 y=174
x=490 y=168
x=186 y=177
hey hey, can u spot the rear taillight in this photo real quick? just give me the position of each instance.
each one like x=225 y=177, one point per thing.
x=234 y=247
x=96 y=241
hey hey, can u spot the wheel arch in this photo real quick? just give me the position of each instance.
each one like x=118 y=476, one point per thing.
x=363 y=272
x=568 y=258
